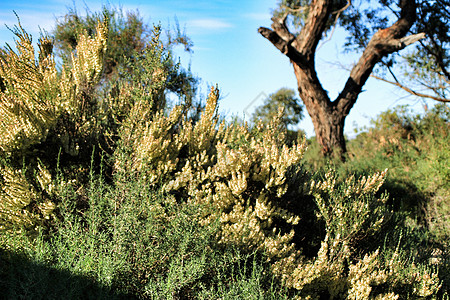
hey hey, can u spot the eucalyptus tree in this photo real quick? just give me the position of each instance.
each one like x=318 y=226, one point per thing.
x=381 y=28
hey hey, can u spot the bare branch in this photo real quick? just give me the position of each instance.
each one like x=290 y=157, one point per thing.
x=284 y=46
x=338 y=14
x=279 y=26
x=395 y=45
x=412 y=92
x=392 y=72
x=435 y=89
x=339 y=11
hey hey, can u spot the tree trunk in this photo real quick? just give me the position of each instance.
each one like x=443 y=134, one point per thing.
x=328 y=117
x=329 y=128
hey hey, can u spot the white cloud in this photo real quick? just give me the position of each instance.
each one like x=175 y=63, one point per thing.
x=208 y=24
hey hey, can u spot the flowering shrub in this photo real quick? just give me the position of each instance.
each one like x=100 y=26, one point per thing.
x=39 y=106
x=254 y=184
x=316 y=234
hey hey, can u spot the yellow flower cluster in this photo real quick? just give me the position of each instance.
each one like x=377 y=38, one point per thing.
x=21 y=204
x=348 y=214
x=34 y=94
x=32 y=98
x=366 y=185
x=25 y=108
x=370 y=272
x=87 y=61
x=238 y=173
x=15 y=196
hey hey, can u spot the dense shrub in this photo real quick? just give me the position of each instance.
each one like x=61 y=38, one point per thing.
x=257 y=188
x=191 y=207
x=43 y=111
x=415 y=149
x=131 y=242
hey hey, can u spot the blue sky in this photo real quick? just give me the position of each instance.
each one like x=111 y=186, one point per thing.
x=228 y=51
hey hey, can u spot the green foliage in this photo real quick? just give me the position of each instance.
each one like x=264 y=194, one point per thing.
x=428 y=66
x=130 y=241
x=414 y=149
x=129 y=38
x=178 y=207
x=284 y=98
x=127 y=34
x=292 y=114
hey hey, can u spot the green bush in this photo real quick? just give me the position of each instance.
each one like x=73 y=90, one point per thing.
x=415 y=149
x=131 y=241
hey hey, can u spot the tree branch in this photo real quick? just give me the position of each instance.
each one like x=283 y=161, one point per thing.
x=338 y=14
x=307 y=40
x=279 y=26
x=384 y=42
x=405 y=88
x=297 y=9
x=395 y=45
x=284 y=46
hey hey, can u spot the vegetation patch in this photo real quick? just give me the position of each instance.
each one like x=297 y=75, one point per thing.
x=108 y=190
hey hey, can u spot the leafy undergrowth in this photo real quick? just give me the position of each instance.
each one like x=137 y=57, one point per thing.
x=131 y=242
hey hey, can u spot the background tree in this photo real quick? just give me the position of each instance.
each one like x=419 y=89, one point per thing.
x=311 y=21
x=128 y=38
x=285 y=98
x=292 y=111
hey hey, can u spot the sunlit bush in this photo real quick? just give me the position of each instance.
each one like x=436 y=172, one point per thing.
x=41 y=110
x=239 y=187
x=256 y=186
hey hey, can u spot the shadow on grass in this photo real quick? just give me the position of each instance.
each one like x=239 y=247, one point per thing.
x=405 y=196
x=22 y=278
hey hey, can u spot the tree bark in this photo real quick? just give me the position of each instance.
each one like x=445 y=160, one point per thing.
x=329 y=116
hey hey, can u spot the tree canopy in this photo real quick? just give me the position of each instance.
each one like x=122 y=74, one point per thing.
x=283 y=98
x=423 y=70
x=128 y=38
